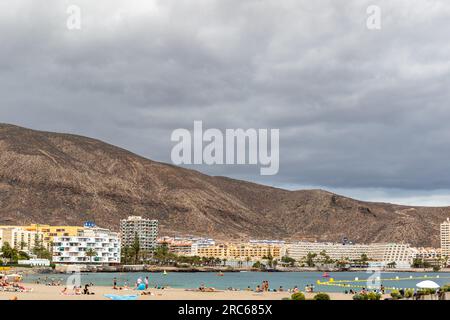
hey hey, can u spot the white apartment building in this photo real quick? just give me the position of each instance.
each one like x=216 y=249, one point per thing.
x=336 y=251
x=381 y=252
x=20 y=238
x=145 y=229
x=103 y=244
x=400 y=253
x=430 y=255
x=445 y=238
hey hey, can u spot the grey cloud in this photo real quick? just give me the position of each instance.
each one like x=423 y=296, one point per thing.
x=356 y=109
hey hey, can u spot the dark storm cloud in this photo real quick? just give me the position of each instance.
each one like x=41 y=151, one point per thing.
x=357 y=109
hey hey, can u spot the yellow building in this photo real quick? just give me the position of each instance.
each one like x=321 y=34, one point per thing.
x=50 y=232
x=45 y=231
x=241 y=251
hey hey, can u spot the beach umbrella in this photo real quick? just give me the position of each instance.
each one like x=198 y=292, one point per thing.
x=428 y=284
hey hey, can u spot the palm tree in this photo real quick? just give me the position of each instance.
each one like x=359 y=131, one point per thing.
x=91 y=253
x=23 y=244
x=9 y=252
x=248 y=259
x=309 y=259
x=136 y=248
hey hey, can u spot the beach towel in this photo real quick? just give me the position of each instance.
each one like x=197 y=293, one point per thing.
x=118 y=297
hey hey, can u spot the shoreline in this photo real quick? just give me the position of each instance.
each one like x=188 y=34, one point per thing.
x=137 y=269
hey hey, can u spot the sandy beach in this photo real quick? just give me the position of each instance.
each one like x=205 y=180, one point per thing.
x=43 y=292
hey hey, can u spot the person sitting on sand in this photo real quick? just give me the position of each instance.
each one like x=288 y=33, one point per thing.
x=280 y=289
x=86 y=289
x=258 y=289
x=203 y=288
x=138 y=282
x=78 y=291
x=65 y=292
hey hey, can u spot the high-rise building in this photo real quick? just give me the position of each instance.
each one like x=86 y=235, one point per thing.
x=146 y=231
x=445 y=238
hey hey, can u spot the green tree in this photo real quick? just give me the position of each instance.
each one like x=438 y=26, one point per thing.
x=23 y=245
x=364 y=258
x=125 y=255
x=91 y=253
x=41 y=252
x=21 y=255
x=10 y=253
x=136 y=247
x=392 y=264
x=309 y=259
x=269 y=259
x=325 y=258
x=288 y=260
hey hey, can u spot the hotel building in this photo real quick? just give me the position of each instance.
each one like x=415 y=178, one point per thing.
x=145 y=229
x=401 y=254
x=20 y=238
x=91 y=245
x=241 y=251
x=445 y=238
x=49 y=232
x=430 y=255
x=185 y=246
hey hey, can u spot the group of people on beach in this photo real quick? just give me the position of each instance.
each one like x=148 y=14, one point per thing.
x=77 y=290
x=140 y=284
x=264 y=287
x=49 y=282
x=12 y=286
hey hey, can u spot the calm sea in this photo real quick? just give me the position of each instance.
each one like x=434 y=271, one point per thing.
x=241 y=280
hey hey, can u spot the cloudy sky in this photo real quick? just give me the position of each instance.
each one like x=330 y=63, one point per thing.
x=362 y=112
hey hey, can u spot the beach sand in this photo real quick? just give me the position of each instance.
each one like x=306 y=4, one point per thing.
x=43 y=292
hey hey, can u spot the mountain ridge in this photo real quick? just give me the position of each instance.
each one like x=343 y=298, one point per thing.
x=61 y=178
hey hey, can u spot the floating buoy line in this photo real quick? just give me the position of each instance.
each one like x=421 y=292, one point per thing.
x=355 y=283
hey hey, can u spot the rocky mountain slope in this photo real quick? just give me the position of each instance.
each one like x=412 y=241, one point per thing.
x=67 y=179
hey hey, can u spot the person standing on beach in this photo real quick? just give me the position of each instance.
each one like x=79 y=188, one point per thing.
x=115 y=283
x=146 y=283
